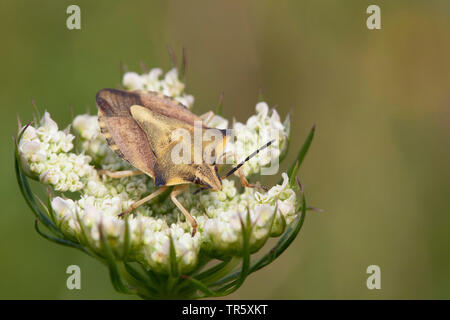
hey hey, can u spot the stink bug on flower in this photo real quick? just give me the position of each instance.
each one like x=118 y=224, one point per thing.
x=138 y=127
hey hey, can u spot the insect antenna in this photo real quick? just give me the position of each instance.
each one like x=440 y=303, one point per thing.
x=246 y=159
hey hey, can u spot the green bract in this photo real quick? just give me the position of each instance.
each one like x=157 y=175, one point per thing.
x=151 y=253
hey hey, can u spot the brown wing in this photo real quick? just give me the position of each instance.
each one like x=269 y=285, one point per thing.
x=128 y=141
x=118 y=103
x=123 y=134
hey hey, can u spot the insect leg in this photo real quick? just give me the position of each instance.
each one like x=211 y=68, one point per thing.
x=239 y=172
x=245 y=183
x=173 y=195
x=120 y=174
x=143 y=200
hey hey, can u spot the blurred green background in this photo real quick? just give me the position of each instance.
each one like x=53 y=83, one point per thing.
x=379 y=164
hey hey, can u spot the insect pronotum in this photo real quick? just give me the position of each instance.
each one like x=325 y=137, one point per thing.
x=138 y=127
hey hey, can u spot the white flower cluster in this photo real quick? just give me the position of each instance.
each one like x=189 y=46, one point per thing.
x=93 y=143
x=45 y=153
x=170 y=85
x=257 y=131
x=153 y=226
x=227 y=209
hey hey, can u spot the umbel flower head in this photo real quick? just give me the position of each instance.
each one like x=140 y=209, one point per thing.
x=151 y=253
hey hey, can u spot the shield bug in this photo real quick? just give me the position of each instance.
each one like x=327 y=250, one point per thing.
x=138 y=127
